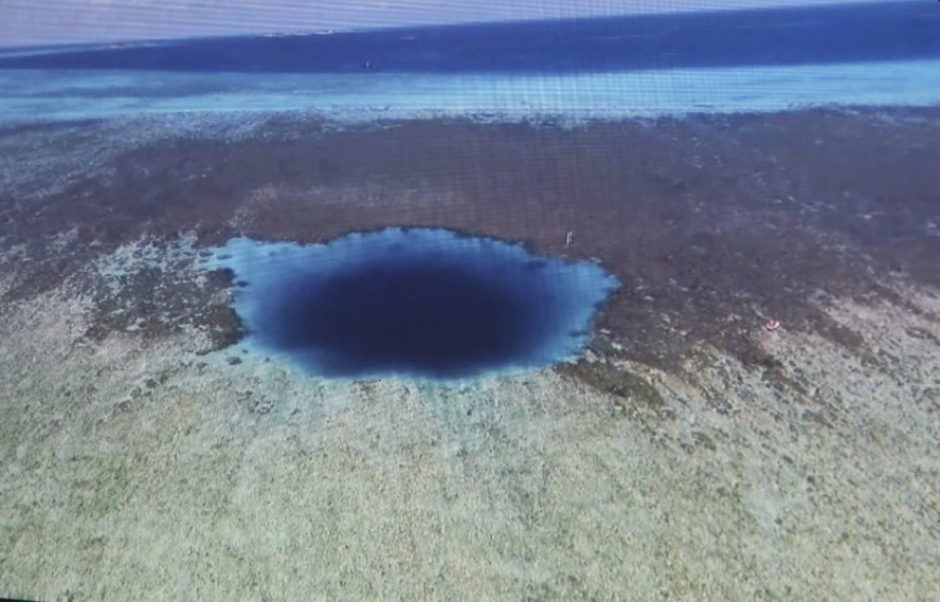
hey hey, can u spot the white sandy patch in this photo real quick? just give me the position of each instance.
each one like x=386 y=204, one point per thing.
x=138 y=471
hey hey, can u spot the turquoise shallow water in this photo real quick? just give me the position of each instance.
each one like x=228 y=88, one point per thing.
x=29 y=95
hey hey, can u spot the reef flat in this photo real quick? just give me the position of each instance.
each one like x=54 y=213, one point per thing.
x=693 y=451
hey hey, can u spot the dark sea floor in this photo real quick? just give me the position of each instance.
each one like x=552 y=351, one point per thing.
x=691 y=452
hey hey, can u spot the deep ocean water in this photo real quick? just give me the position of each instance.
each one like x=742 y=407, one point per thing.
x=728 y=61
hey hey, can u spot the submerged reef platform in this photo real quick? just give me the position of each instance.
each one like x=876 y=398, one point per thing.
x=753 y=413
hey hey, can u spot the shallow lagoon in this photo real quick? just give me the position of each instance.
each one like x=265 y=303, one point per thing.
x=29 y=95
x=420 y=303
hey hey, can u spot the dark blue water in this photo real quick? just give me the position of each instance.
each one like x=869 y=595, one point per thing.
x=424 y=303
x=814 y=35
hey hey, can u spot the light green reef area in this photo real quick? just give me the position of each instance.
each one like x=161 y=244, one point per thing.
x=153 y=471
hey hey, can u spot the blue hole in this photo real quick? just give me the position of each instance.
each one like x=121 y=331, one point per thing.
x=417 y=303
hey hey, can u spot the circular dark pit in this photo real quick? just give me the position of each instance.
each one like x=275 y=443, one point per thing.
x=425 y=303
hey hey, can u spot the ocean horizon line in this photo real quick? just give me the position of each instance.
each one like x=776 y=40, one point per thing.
x=768 y=36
